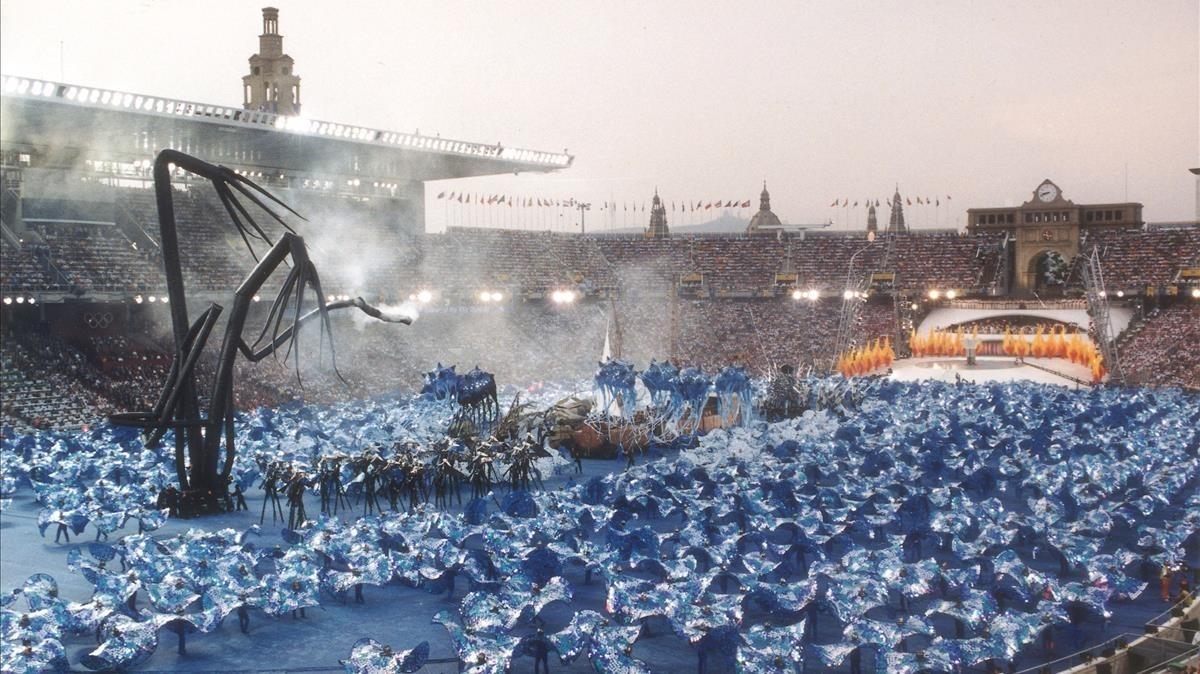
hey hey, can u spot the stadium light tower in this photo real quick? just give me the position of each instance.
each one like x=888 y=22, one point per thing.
x=583 y=209
x=1196 y=172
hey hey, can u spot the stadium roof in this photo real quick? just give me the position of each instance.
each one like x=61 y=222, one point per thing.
x=79 y=122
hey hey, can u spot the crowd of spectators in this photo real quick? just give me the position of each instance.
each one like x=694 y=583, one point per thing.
x=1133 y=259
x=1163 y=349
x=98 y=257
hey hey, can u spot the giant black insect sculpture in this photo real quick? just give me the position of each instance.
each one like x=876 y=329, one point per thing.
x=202 y=471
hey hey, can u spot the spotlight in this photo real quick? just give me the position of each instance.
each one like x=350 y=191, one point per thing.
x=849 y=294
x=1104 y=293
x=32 y=300
x=913 y=306
x=1196 y=293
x=152 y=299
x=8 y=300
x=485 y=296
x=1120 y=293
x=137 y=298
x=933 y=294
x=164 y=299
x=330 y=298
x=814 y=295
x=424 y=297
x=497 y=296
x=563 y=296
x=256 y=298
x=797 y=294
x=951 y=294
x=20 y=300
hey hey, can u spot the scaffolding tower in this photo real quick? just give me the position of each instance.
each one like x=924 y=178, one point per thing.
x=1097 y=299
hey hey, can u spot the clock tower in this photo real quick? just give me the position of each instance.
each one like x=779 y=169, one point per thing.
x=1046 y=231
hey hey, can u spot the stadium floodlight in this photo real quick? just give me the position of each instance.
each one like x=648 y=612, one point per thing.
x=1120 y=293
x=933 y=294
x=497 y=296
x=814 y=295
x=1196 y=293
x=152 y=299
x=32 y=300
x=424 y=297
x=797 y=294
x=8 y=300
x=951 y=294
x=485 y=296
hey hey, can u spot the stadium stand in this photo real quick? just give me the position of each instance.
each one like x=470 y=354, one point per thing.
x=1164 y=349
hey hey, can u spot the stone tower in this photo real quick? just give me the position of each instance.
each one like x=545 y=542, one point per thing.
x=658 y=219
x=272 y=85
x=872 y=222
x=896 y=222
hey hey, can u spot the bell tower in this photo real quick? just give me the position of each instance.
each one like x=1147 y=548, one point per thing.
x=272 y=85
x=658 y=219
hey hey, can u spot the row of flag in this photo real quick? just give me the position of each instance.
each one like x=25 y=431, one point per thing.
x=538 y=202
x=908 y=201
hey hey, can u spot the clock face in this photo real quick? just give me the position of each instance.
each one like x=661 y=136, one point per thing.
x=1047 y=193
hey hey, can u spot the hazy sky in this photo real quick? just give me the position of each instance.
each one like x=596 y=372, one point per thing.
x=978 y=100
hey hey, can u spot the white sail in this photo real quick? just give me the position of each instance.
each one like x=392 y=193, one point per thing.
x=606 y=355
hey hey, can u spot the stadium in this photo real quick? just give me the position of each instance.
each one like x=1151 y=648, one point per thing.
x=875 y=447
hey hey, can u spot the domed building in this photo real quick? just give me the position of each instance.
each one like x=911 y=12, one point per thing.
x=764 y=218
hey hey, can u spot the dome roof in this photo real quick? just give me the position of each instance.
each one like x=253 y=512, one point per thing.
x=765 y=217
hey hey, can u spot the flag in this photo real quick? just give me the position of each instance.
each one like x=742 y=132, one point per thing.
x=460 y=198
x=708 y=206
x=746 y=204
x=937 y=202
x=441 y=195
x=908 y=201
x=835 y=203
x=947 y=197
x=856 y=204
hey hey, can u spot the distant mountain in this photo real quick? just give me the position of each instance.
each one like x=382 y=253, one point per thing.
x=727 y=223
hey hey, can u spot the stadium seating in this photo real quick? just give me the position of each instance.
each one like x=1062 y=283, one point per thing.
x=1134 y=259
x=1163 y=350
